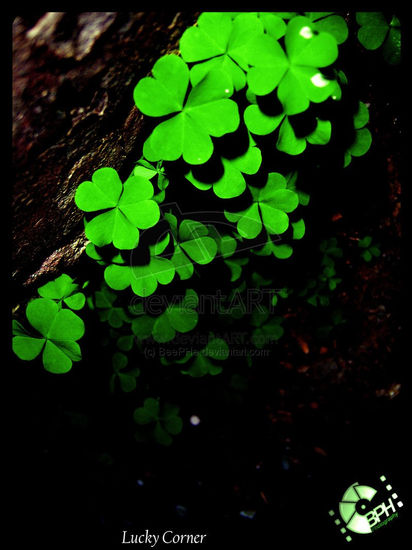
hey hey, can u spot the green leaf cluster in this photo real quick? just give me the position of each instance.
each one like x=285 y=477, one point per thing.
x=164 y=421
x=55 y=329
x=266 y=328
x=363 y=137
x=122 y=209
x=204 y=362
x=369 y=250
x=376 y=31
x=269 y=209
x=318 y=290
x=125 y=378
x=55 y=333
x=178 y=317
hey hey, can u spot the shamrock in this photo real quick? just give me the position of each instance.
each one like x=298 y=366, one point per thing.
x=375 y=30
x=261 y=124
x=93 y=253
x=206 y=112
x=202 y=362
x=295 y=73
x=59 y=329
x=267 y=329
x=273 y=24
x=104 y=301
x=144 y=169
x=282 y=293
x=127 y=379
x=181 y=317
x=220 y=42
x=269 y=208
x=142 y=326
x=329 y=21
x=64 y=289
x=143 y=279
x=226 y=246
x=166 y=419
x=368 y=250
x=326 y=281
x=283 y=250
x=232 y=183
x=191 y=243
x=129 y=207
x=363 y=137
x=330 y=247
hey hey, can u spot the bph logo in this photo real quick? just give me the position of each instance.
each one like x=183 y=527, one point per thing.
x=364 y=509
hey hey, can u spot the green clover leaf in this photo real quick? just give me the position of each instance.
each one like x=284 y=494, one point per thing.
x=181 y=318
x=166 y=419
x=202 y=363
x=143 y=279
x=328 y=21
x=295 y=73
x=283 y=251
x=267 y=329
x=232 y=182
x=142 y=326
x=146 y=170
x=259 y=123
x=59 y=331
x=192 y=243
x=375 y=30
x=116 y=316
x=207 y=112
x=363 y=137
x=128 y=208
x=269 y=208
x=235 y=265
x=273 y=24
x=368 y=250
x=127 y=379
x=220 y=42
x=63 y=288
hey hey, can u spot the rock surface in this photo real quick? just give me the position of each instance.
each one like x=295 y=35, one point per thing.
x=73 y=112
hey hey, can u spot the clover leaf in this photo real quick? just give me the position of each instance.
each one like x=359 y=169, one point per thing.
x=58 y=329
x=267 y=329
x=128 y=208
x=330 y=22
x=142 y=326
x=363 y=137
x=192 y=243
x=368 y=250
x=235 y=265
x=375 y=30
x=143 y=279
x=232 y=182
x=283 y=251
x=206 y=112
x=296 y=73
x=269 y=208
x=273 y=24
x=202 y=363
x=116 y=316
x=220 y=42
x=127 y=379
x=181 y=317
x=259 y=123
x=165 y=420
x=330 y=247
x=63 y=289
x=147 y=170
